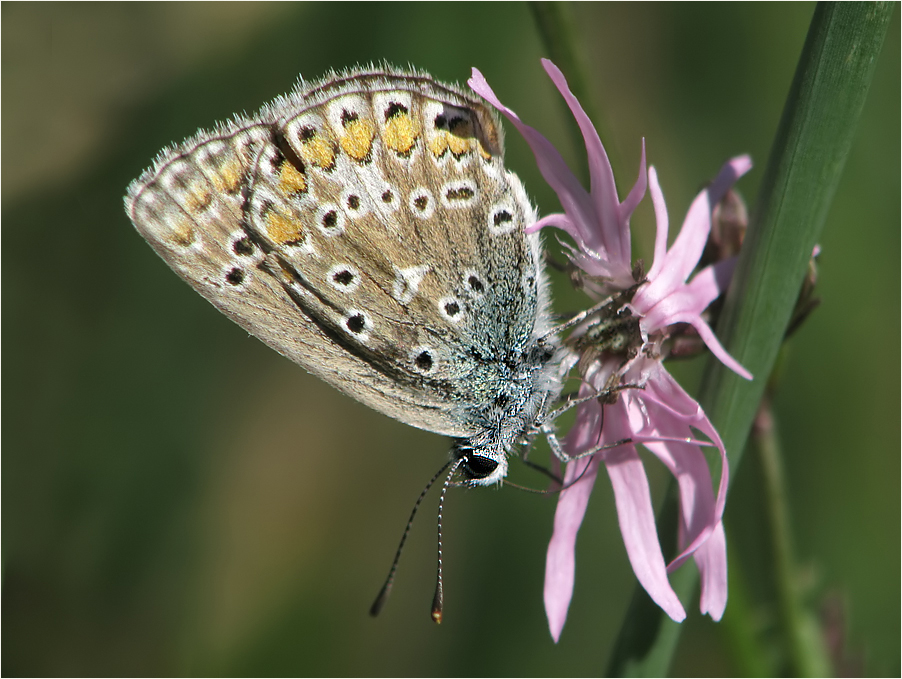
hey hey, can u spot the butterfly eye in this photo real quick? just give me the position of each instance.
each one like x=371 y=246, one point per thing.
x=478 y=467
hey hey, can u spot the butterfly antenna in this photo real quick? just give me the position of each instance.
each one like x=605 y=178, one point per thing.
x=438 y=599
x=390 y=580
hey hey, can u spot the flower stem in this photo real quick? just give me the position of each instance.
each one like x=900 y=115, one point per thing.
x=806 y=162
x=740 y=627
x=803 y=643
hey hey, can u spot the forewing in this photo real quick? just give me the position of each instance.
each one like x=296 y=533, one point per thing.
x=366 y=229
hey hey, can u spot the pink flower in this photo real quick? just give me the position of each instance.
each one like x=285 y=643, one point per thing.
x=649 y=407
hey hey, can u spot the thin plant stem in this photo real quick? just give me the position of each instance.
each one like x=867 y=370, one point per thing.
x=805 y=650
x=740 y=627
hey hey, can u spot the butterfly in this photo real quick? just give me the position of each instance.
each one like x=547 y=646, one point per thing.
x=365 y=227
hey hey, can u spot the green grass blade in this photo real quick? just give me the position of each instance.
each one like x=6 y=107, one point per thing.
x=806 y=162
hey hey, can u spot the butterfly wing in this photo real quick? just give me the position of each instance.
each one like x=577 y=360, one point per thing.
x=366 y=229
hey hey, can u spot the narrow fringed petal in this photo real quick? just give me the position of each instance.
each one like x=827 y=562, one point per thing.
x=686 y=305
x=696 y=501
x=573 y=197
x=672 y=267
x=610 y=233
x=637 y=526
x=711 y=560
x=660 y=411
x=596 y=267
x=689 y=467
x=669 y=412
x=690 y=243
x=635 y=513
x=729 y=174
x=678 y=303
x=667 y=299
x=664 y=390
x=558 y=220
x=673 y=412
x=687 y=248
x=663 y=226
x=560 y=561
x=635 y=196
x=679 y=261
x=710 y=283
x=710 y=339
x=590 y=262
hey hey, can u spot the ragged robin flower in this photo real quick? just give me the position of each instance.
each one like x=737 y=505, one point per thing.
x=621 y=347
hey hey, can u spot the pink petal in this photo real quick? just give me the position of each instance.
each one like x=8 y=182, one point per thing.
x=690 y=468
x=679 y=303
x=710 y=339
x=663 y=227
x=637 y=524
x=560 y=562
x=597 y=267
x=673 y=268
x=610 y=233
x=711 y=559
x=728 y=175
x=670 y=412
x=636 y=516
x=687 y=249
x=636 y=194
x=558 y=220
x=667 y=392
x=706 y=286
x=711 y=282
x=573 y=197
x=683 y=256
x=685 y=305
x=591 y=262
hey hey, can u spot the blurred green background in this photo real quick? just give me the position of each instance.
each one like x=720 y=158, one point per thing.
x=179 y=499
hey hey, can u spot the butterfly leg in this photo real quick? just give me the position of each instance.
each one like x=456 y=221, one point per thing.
x=559 y=452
